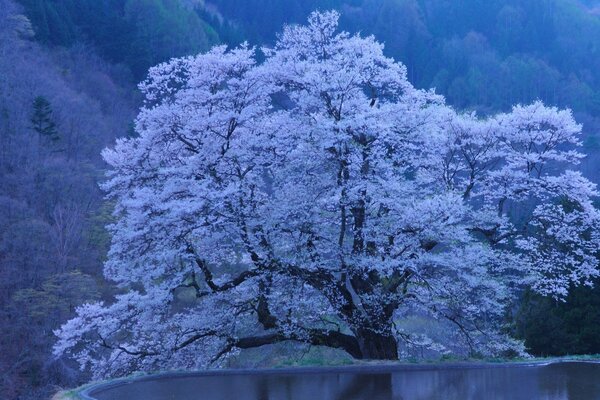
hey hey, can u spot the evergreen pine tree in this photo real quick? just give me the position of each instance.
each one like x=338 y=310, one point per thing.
x=42 y=121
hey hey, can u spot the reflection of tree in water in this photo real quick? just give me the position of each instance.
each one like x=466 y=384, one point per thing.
x=509 y=383
x=429 y=385
x=334 y=387
x=572 y=381
x=330 y=386
x=552 y=381
x=371 y=386
x=262 y=389
x=567 y=381
x=502 y=383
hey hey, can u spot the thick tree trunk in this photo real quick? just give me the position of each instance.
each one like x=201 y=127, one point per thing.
x=366 y=345
x=376 y=346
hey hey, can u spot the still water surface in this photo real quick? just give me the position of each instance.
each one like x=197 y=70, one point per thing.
x=564 y=381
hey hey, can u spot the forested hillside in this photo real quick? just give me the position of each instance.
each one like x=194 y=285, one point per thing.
x=58 y=108
x=483 y=56
x=487 y=55
x=137 y=33
x=68 y=70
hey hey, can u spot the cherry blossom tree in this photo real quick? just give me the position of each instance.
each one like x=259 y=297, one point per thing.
x=319 y=197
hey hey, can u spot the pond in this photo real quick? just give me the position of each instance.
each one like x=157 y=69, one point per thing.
x=558 y=381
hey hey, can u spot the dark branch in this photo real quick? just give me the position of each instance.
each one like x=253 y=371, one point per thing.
x=315 y=337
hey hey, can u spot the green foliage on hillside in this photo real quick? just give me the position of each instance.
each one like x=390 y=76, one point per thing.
x=557 y=328
x=138 y=33
x=480 y=55
x=485 y=55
